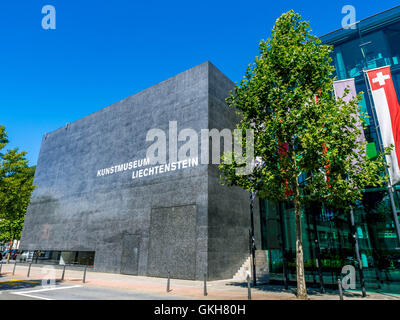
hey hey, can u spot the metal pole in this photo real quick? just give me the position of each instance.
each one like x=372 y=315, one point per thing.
x=357 y=250
x=318 y=252
x=205 y=284
x=1 y=266
x=340 y=289
x=253 y=245
x=63 y=273
x=283 y=247
x=15 y=264
x=84 y=275
x=168 y=283
x=394 y=210
x=248 y=288
x=29 y=270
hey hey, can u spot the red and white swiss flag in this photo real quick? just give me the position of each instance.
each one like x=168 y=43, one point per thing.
x=388 y=111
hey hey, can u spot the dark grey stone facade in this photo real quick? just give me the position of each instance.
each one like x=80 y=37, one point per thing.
x=182 y=221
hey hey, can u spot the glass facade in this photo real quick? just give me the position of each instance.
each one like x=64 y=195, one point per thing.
x=79 y=258
x=375 y=42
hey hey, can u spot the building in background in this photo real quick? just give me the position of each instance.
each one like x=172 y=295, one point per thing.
x=373 y=43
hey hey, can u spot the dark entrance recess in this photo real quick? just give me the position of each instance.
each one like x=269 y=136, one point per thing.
x=130 y=254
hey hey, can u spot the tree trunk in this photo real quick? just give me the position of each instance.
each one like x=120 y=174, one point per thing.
x=300 y=274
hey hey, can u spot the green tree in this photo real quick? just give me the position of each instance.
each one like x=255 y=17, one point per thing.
x=306 y=141
x=16 y=186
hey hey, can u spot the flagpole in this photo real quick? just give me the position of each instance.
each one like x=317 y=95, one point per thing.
x=357 y=249
x=253 y=244
x=381 y=149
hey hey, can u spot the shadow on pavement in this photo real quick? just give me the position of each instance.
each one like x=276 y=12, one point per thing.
x=278 y=288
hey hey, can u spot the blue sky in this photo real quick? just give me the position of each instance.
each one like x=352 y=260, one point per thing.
x=104 y=51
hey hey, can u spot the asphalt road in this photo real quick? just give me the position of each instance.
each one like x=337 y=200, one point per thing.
x=17 y=289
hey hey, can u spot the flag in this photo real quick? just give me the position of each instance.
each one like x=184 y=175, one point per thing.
x=339 y=87
x=388 y=112
x=325 y=151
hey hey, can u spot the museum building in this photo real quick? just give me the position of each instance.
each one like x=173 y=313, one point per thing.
x=100 y=202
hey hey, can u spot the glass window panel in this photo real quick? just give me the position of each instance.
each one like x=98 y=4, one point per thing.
x=392 y=34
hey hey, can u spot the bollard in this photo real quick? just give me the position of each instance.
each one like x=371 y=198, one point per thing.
x=168 y=283
x=340 y=289
x=63 y=273
x=29 y=270
x=84 y=275
x=205 y=284
x=15 y=264
x=248 y=288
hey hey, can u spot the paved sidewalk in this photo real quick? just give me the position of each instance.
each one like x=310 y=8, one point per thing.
x=217 y=290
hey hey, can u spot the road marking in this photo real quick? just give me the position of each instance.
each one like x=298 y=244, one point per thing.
x=14 y=280
x=48 y=289
x=26 y=293
x=31 y=296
